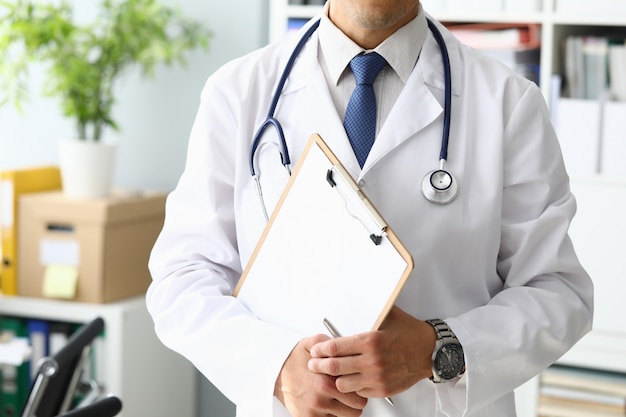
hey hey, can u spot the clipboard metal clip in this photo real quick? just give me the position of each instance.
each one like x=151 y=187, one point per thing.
x=356 y=203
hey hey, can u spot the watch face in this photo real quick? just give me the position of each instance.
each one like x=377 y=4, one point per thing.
x=449 y=361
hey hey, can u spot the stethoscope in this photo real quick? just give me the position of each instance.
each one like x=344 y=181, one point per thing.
x=438 y=186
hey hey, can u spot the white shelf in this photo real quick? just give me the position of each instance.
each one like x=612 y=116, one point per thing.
x=150 y=379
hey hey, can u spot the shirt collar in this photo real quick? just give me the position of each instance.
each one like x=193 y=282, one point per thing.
x=401 y=49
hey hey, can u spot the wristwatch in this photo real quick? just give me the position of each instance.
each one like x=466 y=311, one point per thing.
x=448 y=357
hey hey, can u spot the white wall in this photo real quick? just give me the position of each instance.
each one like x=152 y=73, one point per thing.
x=155 y=115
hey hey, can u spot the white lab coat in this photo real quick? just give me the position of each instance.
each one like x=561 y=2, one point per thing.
x=496 y=263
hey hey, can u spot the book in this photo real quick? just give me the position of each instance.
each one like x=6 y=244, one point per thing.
x=585 y=379
x=551 y=407
x=59 y=333
x=595 y=50
x=583 y=397
x=574 y=67
x=617 y=70
x=38 y=335
x=13 y=184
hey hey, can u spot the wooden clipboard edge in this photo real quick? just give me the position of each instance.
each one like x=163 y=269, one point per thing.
x=404 y=253
x=391 y=235
x=316 y=139
x=294 y=174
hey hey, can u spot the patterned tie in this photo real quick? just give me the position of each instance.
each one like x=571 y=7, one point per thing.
x=360 y=120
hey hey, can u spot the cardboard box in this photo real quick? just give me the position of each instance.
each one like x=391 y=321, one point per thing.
x=90 y=250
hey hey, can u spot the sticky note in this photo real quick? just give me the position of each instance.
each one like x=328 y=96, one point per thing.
x=60 y=281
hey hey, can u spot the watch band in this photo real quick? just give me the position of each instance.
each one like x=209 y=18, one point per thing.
x=446 y=341
x=443 y=331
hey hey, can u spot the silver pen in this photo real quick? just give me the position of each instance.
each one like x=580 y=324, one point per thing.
x=335 y=334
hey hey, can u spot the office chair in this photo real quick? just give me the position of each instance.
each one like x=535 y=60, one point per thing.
x=58 y=377
x=106 y=407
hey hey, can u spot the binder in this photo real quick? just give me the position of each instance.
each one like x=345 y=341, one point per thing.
x=326 y=253
x=15 y=379
x=59 y=334
x=12 y=185
x=39 y=336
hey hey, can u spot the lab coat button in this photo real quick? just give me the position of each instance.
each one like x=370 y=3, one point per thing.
x=361 y=183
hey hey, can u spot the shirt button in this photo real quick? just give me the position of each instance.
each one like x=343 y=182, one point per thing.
x=361 y=183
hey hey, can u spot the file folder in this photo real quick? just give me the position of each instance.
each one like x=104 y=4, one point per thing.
x=13 y=184
x=326 y=253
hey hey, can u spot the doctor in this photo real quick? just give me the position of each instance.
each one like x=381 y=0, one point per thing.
x=495 y=269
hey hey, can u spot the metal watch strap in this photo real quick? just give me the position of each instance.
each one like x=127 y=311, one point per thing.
x=443 y=331
x=445 y=336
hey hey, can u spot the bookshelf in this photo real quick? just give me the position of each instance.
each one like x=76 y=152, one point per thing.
x=150 y=379
x=555 y=24
x=598 y=228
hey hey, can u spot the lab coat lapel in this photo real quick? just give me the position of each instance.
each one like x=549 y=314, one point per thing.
x=417 y=107
x=314 y=110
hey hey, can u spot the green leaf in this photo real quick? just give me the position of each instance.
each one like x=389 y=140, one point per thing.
x=83 y=62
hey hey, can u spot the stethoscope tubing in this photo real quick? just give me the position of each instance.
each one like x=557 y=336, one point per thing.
x=270 y=120
x=447 y=107
x=433 y=194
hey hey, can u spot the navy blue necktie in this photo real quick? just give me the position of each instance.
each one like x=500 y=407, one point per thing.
x=360 y=119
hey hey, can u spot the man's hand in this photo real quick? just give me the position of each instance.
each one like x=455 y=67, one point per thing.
x=308 y=394
x=382 y=363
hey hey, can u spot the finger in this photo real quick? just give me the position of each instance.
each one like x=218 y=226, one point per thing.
x=345 y=365
x=350 y=402
x=364 y=387
x=341 y=346
x=311 y=341
x=328 y=400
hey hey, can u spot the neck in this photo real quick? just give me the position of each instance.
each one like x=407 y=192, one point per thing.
x=369 y=27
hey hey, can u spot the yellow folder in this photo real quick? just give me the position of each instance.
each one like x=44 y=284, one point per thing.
x=14 y=183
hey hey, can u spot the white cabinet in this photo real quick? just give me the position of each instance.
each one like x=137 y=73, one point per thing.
x=150 y=379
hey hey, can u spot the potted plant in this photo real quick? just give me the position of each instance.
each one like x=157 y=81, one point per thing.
x=83 y=61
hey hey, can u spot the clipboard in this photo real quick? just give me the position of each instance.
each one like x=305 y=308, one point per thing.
x=325 y=253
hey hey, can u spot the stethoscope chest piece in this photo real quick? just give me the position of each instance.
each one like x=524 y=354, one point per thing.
x=439 y=187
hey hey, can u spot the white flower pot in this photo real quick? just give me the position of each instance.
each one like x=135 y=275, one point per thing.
x=86 y=168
